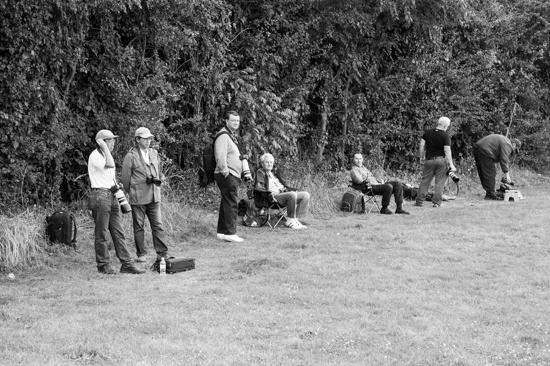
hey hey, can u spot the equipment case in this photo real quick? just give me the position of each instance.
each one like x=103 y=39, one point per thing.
x=175 y=265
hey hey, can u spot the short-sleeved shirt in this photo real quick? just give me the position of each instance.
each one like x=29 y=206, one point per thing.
x=100 y=176
x=436 y=140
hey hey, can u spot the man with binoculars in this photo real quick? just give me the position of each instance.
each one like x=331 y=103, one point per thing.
x=141 y=177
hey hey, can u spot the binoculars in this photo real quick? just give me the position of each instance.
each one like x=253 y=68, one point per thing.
x=153 y=180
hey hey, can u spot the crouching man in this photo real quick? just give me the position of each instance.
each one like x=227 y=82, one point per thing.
x=488 y=151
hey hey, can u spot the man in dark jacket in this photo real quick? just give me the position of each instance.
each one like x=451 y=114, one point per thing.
x=277 y=190
x=488 y=151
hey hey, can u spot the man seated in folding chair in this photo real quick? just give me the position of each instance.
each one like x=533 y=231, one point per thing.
x=363 y=180
x=271 y=190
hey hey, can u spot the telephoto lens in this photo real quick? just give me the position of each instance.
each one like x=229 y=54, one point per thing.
x=122 y=201
x=246 y=169
x=454 y=177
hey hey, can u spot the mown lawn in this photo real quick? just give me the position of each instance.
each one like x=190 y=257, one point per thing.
x=466 y=284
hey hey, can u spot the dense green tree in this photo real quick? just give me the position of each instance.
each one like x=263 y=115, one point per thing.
x=311 y=78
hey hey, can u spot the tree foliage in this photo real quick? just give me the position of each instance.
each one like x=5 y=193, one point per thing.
x=313 y=79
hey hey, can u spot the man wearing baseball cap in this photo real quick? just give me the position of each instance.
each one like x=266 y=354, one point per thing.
x=488 y=151
x=105 y=207
x=142 y=178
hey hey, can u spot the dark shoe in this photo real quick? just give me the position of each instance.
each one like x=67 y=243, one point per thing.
x=386 y=211
x=401 y=211
x=493 y=197
x=106 y=269
x=130 y=268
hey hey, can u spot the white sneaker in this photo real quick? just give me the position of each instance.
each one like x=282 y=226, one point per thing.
x=294 y=225
x=234 y=238
x=302 y=225
x=220 y=236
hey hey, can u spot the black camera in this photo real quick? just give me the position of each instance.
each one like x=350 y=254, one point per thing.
x=453 y=176
x=506 y=181
x=153 y=180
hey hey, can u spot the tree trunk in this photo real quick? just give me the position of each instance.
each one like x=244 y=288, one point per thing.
x=322 y=136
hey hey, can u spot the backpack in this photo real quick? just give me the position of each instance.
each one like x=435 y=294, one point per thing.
x=254 y=216
x=353 y=202
x=409 y=192
x=61 y=228
x=206 y=172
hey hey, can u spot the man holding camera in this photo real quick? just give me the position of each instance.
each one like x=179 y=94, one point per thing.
x=436 y=143
x=488 y=151
x=229 y=168
x=141 y=177
x=105 y=207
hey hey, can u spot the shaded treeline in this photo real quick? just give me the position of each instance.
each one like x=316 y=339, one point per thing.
x=313 y=79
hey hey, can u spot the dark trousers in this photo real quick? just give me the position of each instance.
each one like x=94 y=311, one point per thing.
x=436 y=167
x=107 y=219
x=385 y=190
x=486 y=170
x=229 y=206
x=152 y=211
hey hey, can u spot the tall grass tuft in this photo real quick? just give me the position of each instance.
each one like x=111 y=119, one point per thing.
x=20 y=238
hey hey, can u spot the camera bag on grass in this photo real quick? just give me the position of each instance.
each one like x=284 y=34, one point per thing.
x=61 y=228
x=254 y=216
x=353 y=202
x=409 y=192
x=175 y=265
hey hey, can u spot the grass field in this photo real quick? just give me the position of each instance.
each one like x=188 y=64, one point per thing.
x=466 y=284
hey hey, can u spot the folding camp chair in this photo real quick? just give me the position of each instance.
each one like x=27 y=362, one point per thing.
x=370 y=200
x=274 y=209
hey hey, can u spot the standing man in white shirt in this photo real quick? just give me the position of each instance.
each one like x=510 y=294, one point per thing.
x=142 y=178
x=105 y=207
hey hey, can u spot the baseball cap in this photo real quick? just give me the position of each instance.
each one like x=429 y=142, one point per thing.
x=518 y=144
x=105 y=134
x=143 y=132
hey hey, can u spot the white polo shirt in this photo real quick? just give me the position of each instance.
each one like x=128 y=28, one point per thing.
x=100 y=176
